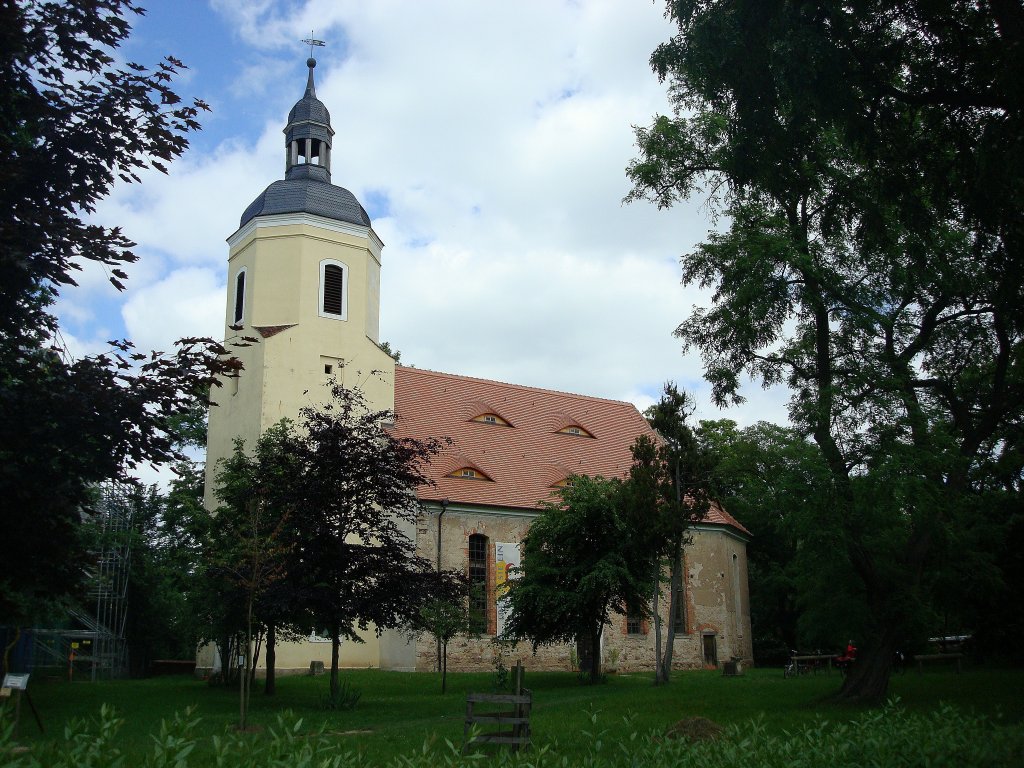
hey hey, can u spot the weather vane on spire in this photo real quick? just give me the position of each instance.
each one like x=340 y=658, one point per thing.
x=313 y=42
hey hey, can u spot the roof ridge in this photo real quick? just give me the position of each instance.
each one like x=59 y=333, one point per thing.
x=518 y=386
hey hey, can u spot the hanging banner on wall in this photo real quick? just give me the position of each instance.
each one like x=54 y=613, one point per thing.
x=506 y=556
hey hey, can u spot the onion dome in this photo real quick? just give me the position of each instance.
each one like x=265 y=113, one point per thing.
x=306 y=187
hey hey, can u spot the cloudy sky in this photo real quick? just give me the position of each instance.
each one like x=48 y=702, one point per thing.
x=487 y=140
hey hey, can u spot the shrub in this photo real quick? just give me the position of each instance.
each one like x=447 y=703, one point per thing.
x=346 y=697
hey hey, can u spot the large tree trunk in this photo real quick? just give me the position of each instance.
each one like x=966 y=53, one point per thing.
x=270 y=684
x=335 y=648
x=257 y=646
x=243 y=688
x=595 y=655
x=444 y=666
x=673 y=605
x=659 y=676
x=588 y=648
x=226 y=660
x=867 y=679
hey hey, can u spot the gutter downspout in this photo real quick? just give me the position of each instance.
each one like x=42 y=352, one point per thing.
x=440 y=517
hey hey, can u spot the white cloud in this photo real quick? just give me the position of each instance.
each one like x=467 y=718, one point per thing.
x=187 y=302
x=496 y=135
x=186 y=214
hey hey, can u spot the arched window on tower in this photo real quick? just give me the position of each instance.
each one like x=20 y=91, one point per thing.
x=239 y=312
x=333 y=289
x=478 y=592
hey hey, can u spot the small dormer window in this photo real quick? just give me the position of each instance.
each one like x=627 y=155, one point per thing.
x=333 y=289
x=491 y=418
x=573 y=429
x=468 y=473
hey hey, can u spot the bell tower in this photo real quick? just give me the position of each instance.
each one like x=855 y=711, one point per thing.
x=304 y=280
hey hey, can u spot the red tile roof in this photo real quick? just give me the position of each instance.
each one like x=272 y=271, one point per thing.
x=524 y=460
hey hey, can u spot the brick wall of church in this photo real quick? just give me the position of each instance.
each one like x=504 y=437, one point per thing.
x=716 y=595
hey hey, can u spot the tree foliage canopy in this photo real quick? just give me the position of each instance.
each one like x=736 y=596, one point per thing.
x=578 y=565
x=339 y=493
x=868 y=159
x=72 y=123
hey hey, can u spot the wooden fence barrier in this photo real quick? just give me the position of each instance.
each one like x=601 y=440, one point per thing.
x=503 y=717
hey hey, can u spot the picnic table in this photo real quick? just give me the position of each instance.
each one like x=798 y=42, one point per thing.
x=813 y=661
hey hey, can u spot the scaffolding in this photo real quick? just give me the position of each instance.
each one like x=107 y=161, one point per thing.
x=92 y=642
x=105 y=619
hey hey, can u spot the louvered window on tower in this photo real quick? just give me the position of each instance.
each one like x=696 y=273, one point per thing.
x=333 y=286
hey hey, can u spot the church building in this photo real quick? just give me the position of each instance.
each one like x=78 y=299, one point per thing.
x=304 y=275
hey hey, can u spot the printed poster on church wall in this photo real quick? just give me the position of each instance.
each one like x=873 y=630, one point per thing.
x=506 y=555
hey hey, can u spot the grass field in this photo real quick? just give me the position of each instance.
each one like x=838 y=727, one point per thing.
x=398 y=712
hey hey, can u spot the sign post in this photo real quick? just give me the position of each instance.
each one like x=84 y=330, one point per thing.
x=17 y=684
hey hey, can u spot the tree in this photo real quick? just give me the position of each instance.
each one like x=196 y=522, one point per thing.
x=71 y=123
x=772 y=478
x=680 y=470
x=578 y=565
x=868 y=160
x=352 y=498
x=667 y=492
x=443 y=619
x=160 y=622
x=167 y=529
x=251 y=546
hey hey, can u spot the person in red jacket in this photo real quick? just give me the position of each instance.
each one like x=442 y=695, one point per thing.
x=848 y=657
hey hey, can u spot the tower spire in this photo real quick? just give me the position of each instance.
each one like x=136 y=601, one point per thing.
x=312 y=42
x=308 y=132
x=310 y=87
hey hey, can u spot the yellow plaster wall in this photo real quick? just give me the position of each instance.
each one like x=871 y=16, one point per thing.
x=284 y=371
x=294 y=657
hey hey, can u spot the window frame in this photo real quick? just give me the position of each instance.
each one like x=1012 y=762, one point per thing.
x=478 y=573
x=491 y=419
x=343 y=315
x=238 y=305
x=469 y=473
x=575 y=430
x=634 y=624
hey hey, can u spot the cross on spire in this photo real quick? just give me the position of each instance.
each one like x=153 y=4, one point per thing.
x=313 y=42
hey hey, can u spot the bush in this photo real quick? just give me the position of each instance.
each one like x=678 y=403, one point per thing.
x=346 y=697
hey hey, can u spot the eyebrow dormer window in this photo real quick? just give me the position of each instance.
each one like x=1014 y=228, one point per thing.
x=491 y=418
x=574 y=430
x=333 y=289
x=468 y=473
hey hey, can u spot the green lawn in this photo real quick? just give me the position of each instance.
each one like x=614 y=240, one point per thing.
x=398 y=712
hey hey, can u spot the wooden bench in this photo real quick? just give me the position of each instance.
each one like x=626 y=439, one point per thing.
x=921 y=658
x=508 y=724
